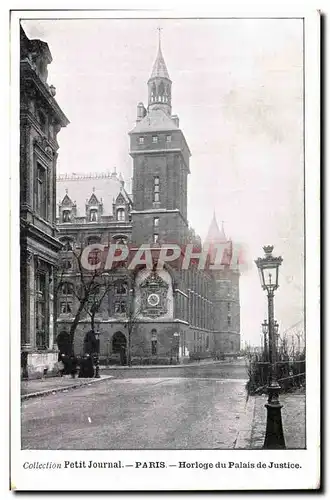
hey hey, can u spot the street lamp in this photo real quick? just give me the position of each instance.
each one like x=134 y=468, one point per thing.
x=268 y=267
x=176 y=335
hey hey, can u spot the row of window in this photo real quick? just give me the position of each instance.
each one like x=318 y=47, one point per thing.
x=93 y=215
x=66 y=306
x=67 y=288
x=160 y=98
x=155 y=139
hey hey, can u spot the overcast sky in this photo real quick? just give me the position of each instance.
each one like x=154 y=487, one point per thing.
x=238 y=91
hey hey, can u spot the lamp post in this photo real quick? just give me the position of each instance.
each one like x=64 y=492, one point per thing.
x=176 y=336
x=277 y=335
x=97 y=354
x=268 y=268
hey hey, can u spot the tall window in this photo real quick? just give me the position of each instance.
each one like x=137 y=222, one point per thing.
x=93 y=215
x=66 y=216
x=41 y=191
x=41 y=311
x=156 y=238
x=141 y=140
x=156 y=189
x=168 y=138
x=153 y=342
x=66 y=299
x=156 y=221
x=120 y=214
x=154 y=138
x=229 y=314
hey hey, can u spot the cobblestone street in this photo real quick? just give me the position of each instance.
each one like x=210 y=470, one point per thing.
x=154 y=412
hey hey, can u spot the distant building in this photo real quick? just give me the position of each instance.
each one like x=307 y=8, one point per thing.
x=40 y=121
x=179 y=314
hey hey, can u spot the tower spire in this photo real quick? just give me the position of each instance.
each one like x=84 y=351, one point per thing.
x=159 y=38
x=159 y=83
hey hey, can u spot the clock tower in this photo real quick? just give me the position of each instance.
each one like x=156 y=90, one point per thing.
x=160 y=165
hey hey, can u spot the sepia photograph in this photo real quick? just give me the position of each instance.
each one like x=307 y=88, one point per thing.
x=162 y=245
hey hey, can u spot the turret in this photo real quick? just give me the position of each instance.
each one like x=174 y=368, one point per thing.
x=159 y=85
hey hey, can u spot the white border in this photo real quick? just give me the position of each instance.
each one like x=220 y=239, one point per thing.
x=173 y=479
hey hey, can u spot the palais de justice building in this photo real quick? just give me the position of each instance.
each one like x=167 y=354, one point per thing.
x=41 y=119
x=177 y=314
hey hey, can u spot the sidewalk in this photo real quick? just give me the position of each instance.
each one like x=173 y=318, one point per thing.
x=44 y=386
x=253 y=426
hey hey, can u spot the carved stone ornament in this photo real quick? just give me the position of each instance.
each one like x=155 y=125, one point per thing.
x=153 y=296
x=44 y=145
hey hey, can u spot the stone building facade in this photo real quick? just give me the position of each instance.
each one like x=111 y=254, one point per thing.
x=157 y=316
x=40 y=121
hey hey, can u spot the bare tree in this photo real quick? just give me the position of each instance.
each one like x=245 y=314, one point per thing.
x=133 y=315
x=86 y=289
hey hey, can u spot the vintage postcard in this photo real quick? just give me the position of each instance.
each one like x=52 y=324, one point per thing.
x=165 y=251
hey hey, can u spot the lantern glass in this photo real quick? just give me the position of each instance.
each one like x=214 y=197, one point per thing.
x=276 y=326
x=271 y=276
x=264 y=327
x=261 y=276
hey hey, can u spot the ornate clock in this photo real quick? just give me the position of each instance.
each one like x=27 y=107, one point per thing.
x=153 y=299
x=154 y=296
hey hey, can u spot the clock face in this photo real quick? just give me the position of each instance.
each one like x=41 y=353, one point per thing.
x=153 y=299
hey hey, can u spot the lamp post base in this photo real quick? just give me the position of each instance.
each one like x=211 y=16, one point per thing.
x=274 y=438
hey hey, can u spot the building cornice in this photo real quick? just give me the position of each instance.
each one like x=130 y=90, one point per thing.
x=28 y=74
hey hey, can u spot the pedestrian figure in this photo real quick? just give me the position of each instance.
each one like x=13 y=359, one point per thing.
x=86 y=367
x=123 y=360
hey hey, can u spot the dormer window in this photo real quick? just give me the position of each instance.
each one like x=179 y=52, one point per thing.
x=154 y=138
x=66 y=216
x=120 y=214
x=141 y=140
x=93 y=215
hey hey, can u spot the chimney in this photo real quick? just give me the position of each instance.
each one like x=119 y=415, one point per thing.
x=141 y=112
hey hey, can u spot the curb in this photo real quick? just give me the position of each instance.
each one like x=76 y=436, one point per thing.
x=244 y=435
x=154 y=367
x=46 y=392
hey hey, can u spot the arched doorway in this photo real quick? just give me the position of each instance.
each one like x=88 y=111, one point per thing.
x=119 y=344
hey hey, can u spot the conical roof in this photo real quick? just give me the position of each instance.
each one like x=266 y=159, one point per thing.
x=215 y=235
x=159 y=69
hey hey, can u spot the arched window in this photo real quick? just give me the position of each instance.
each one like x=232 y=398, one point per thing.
x=93 y=215
x=66 y=216
x=161 y=88
x=120 y=214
